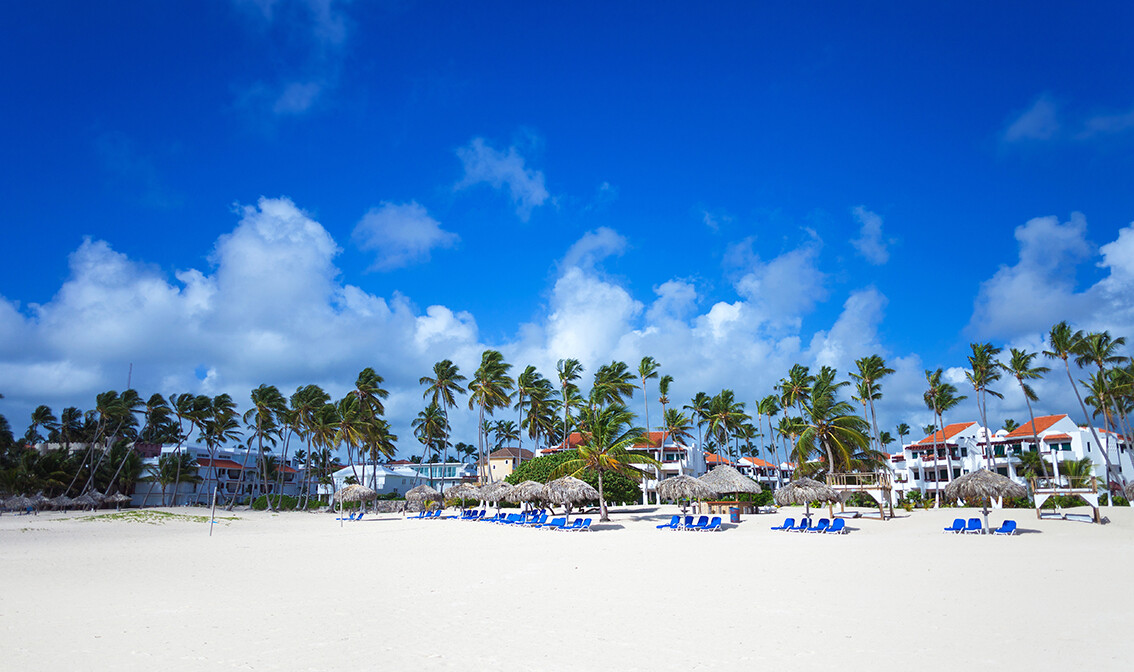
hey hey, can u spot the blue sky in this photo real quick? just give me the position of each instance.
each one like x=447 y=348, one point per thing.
x=231 y=193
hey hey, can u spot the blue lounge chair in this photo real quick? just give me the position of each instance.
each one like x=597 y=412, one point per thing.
x=475 y=515
x=713 y=526
x=701 y=524
x=821 y=527
x=804 y=523
x=673 y=524
x=787 y=525
x=555 y=524
x=1009 y=527
x=511 y=519
x=839 y=526
x=974 y=526
x=351 y=517
x=581 y=526
x=687 y=522
x=958 y=526
x=360 y=515
x=538 y=520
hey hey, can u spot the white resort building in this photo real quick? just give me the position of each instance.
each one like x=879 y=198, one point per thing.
x=223 y=472
x=930 y=464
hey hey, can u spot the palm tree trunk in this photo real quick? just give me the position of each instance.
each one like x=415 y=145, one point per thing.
x=1091 y=425
x=602 y=500
x=1035 y=435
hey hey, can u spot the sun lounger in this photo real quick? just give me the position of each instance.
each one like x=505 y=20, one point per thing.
x=360 y=515
x=555 y=524
x=848 y=514
x=351 y=517
x=701 y=524
x=957 y=527
x=821 y=527
x=511 y=519
x=580 y=525
x=974 y=526
x=538 y=520
x=687 y=522
x=1080 y=517
x=673 y=524
x=804 y=523
x=787 y=524
x=838 y=526
x=1009 y=527
x=713 y=526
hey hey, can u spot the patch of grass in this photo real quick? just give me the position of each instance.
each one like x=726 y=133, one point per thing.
x=152 y=517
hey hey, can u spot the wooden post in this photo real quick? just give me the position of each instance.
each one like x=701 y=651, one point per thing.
x=213 y=512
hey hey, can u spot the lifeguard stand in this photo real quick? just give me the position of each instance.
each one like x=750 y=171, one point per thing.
x=1087 y=488
x=877 y=484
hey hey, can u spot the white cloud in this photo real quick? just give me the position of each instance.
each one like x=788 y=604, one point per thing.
x=1038 y=122
x=498 y=169
x=593 y=247
x=854 y=334
x=297 y=97
x=870 y=243
x=785 y=288
x=1106 y=124
x=401 y=234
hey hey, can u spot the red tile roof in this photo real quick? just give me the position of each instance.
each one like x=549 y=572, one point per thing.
x=757 y=462
x=950 y=431
x=1057 y=437
x=713 y=458
x=1024 y=431
x=218 y=463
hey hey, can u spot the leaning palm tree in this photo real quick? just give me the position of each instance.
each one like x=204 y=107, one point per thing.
x=608 y=439
x=941 y=397
x=1064 y=344
x=870 y=371
x=489 y=390
x=443 y=387
x=768 y=407
x=698 y=408
x=526 y=383
x=430 y=429
x=1020 y=367
x=902 y=430
x=832 y=428
x=613 y=384
x=267 y=405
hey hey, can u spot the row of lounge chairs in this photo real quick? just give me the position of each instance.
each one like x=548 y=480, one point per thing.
x=352 y=516
x=974 y=527
x=537 y=519
x=824 y=526
x=703 y=524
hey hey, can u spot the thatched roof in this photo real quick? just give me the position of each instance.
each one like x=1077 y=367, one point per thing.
x=983 y=484
x=423 y=493
x=17 y=502
x=528 y=491
x=568 y=490
x=725 y=479
x=1130 y=491
x=683 y=486
x=61 y=502
x=118 y=498
x=495 y=492
x=38 y=500
x=463 y=491
x=85 y=501
x=355 y=493
x=805 y=491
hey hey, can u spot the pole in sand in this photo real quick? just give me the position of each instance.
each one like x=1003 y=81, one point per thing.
x=213 y=512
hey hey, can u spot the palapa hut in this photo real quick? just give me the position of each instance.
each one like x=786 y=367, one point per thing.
x=353 y=493
x=804 y=491
x=567 y=491
x=422 y=495
x=682 y=487
x=117 y=499
x=461 y=492
x=528 y=491
x=86 y=501
x=61 y=503
x=496 y=492
x=986 y=486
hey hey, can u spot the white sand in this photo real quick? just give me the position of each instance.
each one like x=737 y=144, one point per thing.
x=297 y=592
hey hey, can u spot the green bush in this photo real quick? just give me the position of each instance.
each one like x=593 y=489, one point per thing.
x=281 y=502
x=616 y=488
x=1119 y=500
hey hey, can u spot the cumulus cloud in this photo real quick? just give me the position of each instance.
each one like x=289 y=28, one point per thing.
x=1106 y=124
x=401 y=234
x=870 y=243
x=855 y=332
x=593 y=247
x=1039 y=122
x=785 y=288
x=503 y=169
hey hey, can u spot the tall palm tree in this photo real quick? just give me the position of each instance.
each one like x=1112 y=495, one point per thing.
x=677 y=426
x=262 y=419
x=663 y=391
x=1020 y=367
x=490 y=389
x=940 y=397
x=526 y=383
x=613 y=384
x=40 y=417
x=903 y=431
x=568 y=370
x=431 y=429
x=725 y=417
x=1063 y=344
x=648 y=370
x=984 y=371
x=698 y=408
x=444 y=387
x=608 y=440
x=1102 y=350
x=506 y=431
x=830 y=426
x=768 y=407
x=871 y=370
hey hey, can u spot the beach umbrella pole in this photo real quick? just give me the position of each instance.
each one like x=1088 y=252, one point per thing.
x=213 y=512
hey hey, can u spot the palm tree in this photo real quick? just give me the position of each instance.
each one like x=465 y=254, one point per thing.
x=443 y=387
x=608 y=439
x=525 y=383
x=903 y=431
x=648 y=370
x=677 y=426
x=569 y=371
x=40 y=417
x=542 y=411
x=725 y=416
x=768 y=407
x=172 y=467
x=267 y=405
x=698 y=408
x=830 y=426
x=506 y=431
x=663 y=391
x=1102 y=350
x=613 y=384
x=1063 y=344
x=984 y=371
x=490 y=389
x=305 y=403
x=1020 y=367
x=941 y=397
x=871 y=370
x=430 y=428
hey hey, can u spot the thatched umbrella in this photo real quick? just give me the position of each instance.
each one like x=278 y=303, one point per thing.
x=685 y=487
x=17 y=502
x=461 y=492
x=727 y=480
x=422 y=494
x=61 y=502
x=804 y=491
x=118 y=499
x=38 y=500
x=984 y=485
x=86 y=501
x=567 y=491
x=528 y=491
x=496 y=492
x=353 y=493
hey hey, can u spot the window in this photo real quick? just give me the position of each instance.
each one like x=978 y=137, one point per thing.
x=964 y=452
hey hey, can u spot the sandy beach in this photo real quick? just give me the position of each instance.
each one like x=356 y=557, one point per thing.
x=298 y=592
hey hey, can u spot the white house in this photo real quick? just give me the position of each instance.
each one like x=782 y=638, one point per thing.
x=221 y=471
